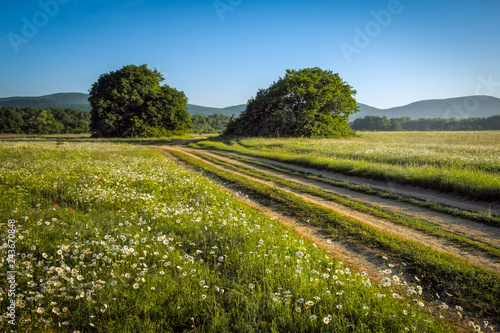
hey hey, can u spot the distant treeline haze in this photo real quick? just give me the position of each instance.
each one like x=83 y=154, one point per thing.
x=376 y=123
x=15 y=120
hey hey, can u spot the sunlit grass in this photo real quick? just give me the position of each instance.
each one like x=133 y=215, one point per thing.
x=116 y=238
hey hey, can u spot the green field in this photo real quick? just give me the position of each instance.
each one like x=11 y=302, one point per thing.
x=463 y=163
x=111 y=237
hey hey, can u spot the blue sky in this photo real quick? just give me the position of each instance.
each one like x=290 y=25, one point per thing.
x=221 y=52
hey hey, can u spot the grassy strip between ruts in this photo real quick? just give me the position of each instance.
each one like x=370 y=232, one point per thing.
x=443 y=273
x=481 y=217
x=402 y=219
x=467 y=183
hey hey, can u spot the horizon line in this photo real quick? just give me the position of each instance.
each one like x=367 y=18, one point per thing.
x=217 y=107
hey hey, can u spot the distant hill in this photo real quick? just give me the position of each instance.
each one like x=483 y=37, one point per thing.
x=236 y=109
x=61 y=100
x=205 y=111
x=479 y=106
x=364 y=110
x=80 y=101
x=460 y=107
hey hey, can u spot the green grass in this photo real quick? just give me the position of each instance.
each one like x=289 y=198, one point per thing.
x=117 y=238
x=462 y=163
x=442 y=273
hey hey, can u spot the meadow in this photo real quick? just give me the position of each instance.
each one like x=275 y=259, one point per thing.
x=112 y=237
x=463 y=163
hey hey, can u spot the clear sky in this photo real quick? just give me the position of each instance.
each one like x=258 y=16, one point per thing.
x=221 y=52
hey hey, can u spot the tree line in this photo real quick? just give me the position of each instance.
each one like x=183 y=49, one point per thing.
x=15 y=120
x=383 y=123
x=133 y=102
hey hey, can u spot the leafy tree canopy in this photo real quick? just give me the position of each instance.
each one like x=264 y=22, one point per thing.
x=306 y=103
x=130 y=102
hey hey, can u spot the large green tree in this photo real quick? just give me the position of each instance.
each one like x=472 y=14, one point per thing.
x=130 y=102
x=305 y=103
